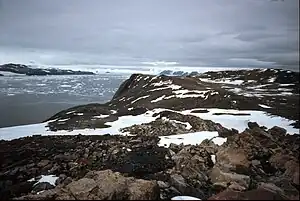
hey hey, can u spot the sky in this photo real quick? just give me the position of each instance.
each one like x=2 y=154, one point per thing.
x=238 y=33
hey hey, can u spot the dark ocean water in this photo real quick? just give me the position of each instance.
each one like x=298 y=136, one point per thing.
x=32 y=99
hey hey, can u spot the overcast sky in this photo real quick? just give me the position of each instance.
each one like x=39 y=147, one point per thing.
x=190 y=32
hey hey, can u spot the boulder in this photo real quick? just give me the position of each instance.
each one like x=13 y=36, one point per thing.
x=102 y=185
x=183 y=187
x=42 y=186
x=218 y=176
x=256 y=194
x=278 y=160
x=252 y=125
x=82 y=188
x=270 y=187
x=43 y=163
x=233 y=159
x=143 y=190
x=277 y=131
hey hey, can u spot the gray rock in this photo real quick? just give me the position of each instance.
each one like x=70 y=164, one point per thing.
x=218 y=176
x=162 y=184
x=42 y=186
x=43 y=163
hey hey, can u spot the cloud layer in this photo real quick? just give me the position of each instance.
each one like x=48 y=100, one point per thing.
x=192 y=32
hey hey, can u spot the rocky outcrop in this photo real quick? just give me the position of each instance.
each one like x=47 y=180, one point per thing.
x=172 y=123
x=101 y=185
x=256 y=194
x=71 y=157
x=27 y=70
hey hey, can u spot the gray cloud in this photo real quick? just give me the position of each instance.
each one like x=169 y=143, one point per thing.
x=192 y=32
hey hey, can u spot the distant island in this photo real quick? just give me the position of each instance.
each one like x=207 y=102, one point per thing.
x=27 y=70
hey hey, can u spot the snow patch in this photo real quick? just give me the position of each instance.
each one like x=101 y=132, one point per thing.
x=10 y=133
x=213 y=158
x=161 y=83
x=183 y=197
x=143 y=97
x=223 y=81
x=272 y=79
x=101 y=116
x=264 y=106
x=285 y=85
x=241 y=122
x=219 y=140
x=51 y=179
x=188 y=138
x=187 y=124
x=64 y=119
x=158 y=99
x=70 y=112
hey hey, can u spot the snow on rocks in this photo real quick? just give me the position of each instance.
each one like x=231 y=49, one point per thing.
x=187 y=125
x=101 y=116
x=264 y=106
x=272 y=79
x=240 y=123
x=161 y=83
x=10 y=133
x=213 y=158
x=184 y=197
x=187 y=139
x=139 y=98
x=51 y=179
x=223 y=81
x=158 y=99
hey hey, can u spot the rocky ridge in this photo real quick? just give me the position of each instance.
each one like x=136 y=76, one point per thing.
x=140 y=93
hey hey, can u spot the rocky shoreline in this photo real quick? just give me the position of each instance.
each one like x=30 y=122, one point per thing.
x=134 y=161
x=27 y=70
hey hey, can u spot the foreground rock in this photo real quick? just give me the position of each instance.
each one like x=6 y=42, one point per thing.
x=71 y=157
x=26 y=70
x=256 y=163
x=101 y=185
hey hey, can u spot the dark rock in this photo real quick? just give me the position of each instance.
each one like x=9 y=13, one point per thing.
x=256 y=194
x=277 y=131
x=179 y=183
x=60 y=179
x=232 y=159
x=43 y=163
x=42 y=186
x=252 y=125
x=218 y=176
